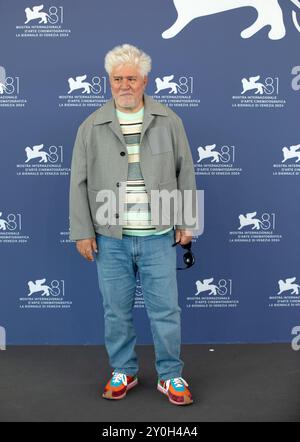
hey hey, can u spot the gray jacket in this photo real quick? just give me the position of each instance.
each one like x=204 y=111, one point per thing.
x=100 y=161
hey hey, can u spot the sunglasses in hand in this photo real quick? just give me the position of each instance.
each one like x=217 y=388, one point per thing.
x=188 y=257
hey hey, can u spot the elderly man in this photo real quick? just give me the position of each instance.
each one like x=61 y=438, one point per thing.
x=130 y=147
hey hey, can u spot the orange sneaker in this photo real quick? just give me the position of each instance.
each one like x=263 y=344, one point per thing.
x=118 y=385
x=176 y=390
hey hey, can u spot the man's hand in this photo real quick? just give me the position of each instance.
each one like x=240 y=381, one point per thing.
x=86 y=247
x=184 y=236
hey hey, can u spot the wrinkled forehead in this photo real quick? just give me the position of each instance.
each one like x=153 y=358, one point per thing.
x=126 y=70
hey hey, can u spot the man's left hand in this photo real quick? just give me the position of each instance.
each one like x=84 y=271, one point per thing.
x=184 y=236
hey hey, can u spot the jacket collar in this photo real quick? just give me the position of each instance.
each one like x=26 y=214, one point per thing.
x=107 y=114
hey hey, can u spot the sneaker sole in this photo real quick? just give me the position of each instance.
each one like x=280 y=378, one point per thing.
x=163 y=391
x=129 y=387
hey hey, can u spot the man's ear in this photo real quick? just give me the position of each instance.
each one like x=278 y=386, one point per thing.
x=145 y=81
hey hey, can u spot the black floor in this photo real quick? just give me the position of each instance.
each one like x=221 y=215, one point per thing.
x=248 y=383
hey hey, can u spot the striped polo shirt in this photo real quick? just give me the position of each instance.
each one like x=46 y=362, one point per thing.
x=137 y=211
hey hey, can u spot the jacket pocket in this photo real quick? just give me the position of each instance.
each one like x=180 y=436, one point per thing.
x=168 y=185
x=168 y=202
x=100 y=216
x=159 y=139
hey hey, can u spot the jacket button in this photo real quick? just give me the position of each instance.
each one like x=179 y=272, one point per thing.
x=118 y=184
x=122 y=154
x=117 y=215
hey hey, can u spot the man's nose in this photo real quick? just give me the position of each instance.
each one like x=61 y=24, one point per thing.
x=125 y=83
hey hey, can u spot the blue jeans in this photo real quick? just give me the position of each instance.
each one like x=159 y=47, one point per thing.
x=155 y=260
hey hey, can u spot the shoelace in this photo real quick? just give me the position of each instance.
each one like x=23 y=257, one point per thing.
x=179 y=382
x=117 y=377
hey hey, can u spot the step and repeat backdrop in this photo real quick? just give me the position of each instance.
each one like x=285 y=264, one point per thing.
x=231 y=70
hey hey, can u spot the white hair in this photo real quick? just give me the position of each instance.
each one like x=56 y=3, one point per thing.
x=127 y=54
